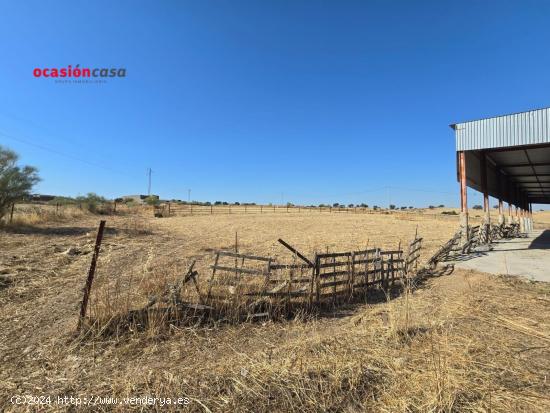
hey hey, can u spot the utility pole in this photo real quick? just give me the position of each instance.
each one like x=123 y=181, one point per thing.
x=149 y=171
x=188 y=195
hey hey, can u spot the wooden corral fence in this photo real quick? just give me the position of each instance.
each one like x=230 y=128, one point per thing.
x=190 y=209
x=246 y=286
x=184 y=210
x=257 y=285
x=479 y=236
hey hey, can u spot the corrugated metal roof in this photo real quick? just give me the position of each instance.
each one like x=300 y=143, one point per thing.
x=524 y=128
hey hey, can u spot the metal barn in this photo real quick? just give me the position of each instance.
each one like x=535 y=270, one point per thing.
x=506 y=157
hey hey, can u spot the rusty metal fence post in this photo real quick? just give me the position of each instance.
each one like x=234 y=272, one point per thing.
x=91 y=273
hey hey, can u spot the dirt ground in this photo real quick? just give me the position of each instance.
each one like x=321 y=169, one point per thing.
x=461 y=341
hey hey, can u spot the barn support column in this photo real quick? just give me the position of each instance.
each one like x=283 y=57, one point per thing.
x=527 y=219
x=521 y=216
x=528 y=215
x=516 y=206
x=463 y=197
x=500 y=203
x=487 y=216
x=509 y=192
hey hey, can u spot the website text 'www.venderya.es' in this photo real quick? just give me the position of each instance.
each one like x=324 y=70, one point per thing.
x=47 y=400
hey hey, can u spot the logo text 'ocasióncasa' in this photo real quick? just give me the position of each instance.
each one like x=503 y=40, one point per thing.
x=77 y=72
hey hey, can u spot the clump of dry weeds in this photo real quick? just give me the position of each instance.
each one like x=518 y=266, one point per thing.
x=457 y=344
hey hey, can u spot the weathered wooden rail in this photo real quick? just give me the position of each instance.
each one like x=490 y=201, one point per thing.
x=252 y=282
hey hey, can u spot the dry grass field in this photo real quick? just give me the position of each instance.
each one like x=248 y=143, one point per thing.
x=461 y=341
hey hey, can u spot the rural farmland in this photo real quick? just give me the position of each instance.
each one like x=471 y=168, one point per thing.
x=418 y=349
x=274 y=206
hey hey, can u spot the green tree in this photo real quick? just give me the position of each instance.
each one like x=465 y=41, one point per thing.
x=15 y=181
x=152 y=200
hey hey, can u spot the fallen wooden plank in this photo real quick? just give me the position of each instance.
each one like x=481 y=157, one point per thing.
x=334 y=255
x=293 y=281
x=238 y=270
x=295 y=251
x=279 y=294
x=288 y=266
x=248 y=257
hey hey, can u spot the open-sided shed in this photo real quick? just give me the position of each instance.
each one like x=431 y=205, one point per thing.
x=506 y=157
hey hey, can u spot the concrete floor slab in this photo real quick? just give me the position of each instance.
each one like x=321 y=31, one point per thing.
x=528 y=257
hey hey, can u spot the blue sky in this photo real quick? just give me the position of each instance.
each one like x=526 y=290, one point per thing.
x=263 y=101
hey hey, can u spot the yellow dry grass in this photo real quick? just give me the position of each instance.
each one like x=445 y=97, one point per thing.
x=460 y=342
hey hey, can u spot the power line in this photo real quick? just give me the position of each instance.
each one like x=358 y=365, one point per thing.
x=63 y=154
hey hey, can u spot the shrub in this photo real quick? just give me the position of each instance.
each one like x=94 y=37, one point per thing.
x=152 y=200
x=450 y=213
x=15 y=181
x=62 y=200
x=91 y=201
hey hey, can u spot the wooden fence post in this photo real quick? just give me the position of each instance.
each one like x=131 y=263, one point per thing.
x=11 y=212
x=91 y=274
x=211 y=209
x=317 y=278
x=169 y=209
x=351 y=270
